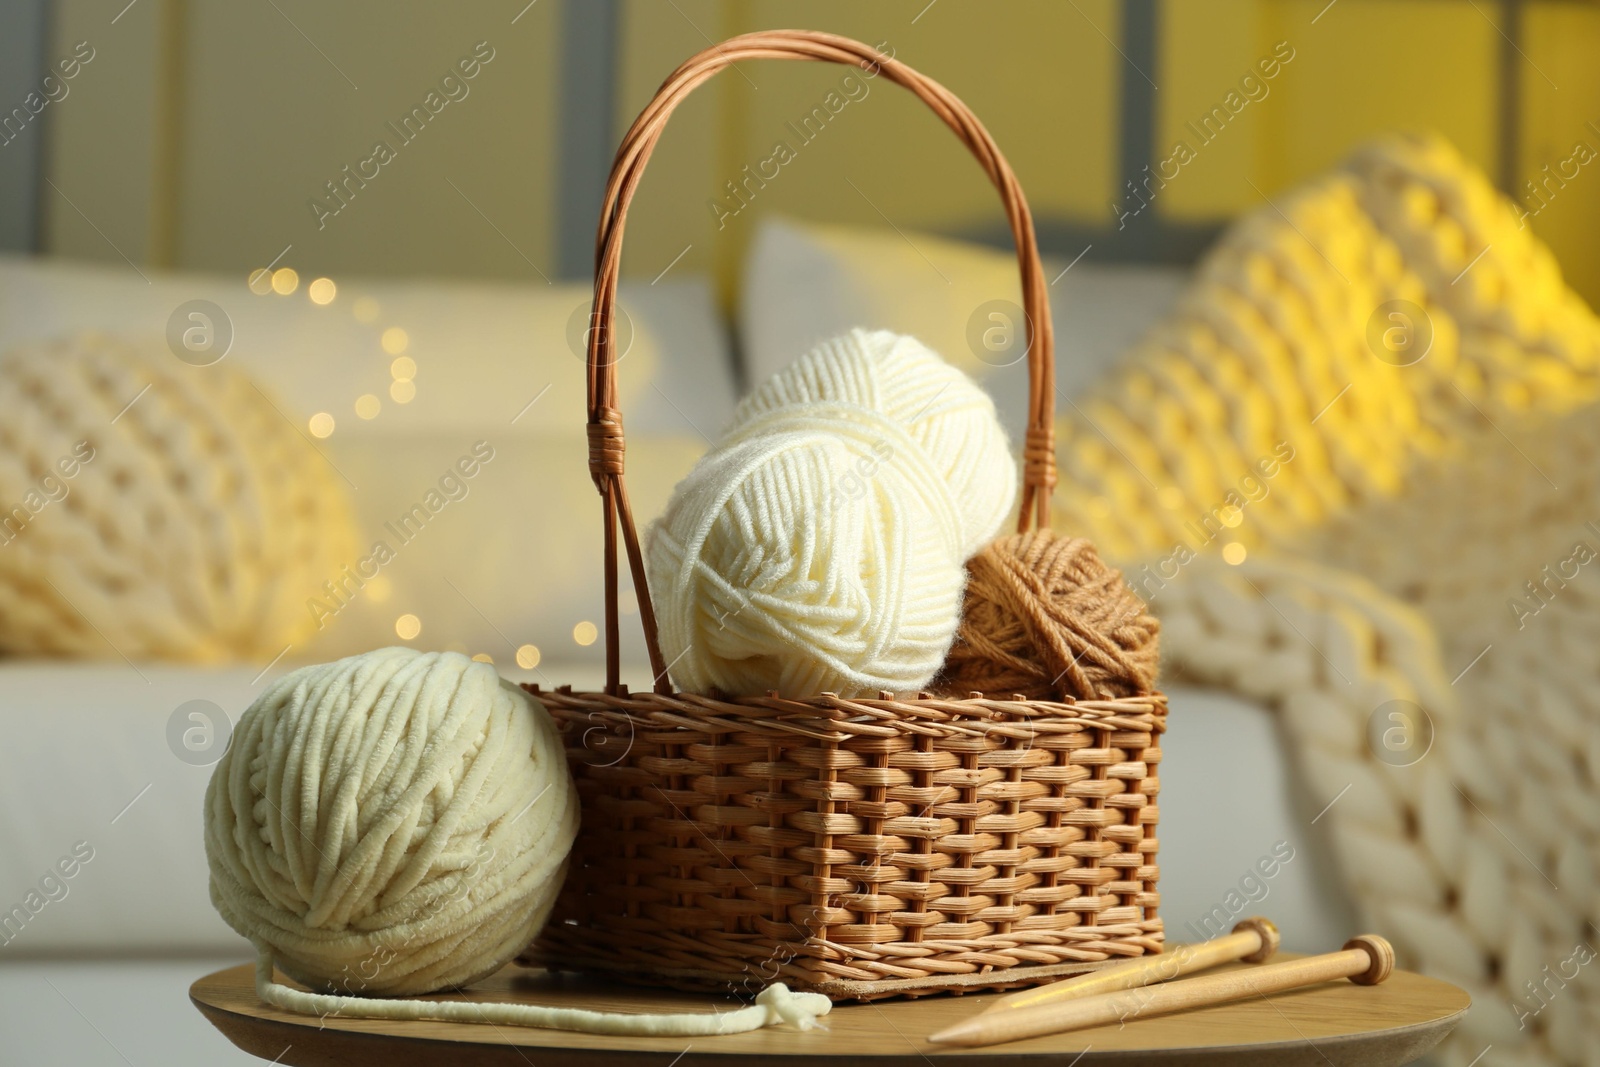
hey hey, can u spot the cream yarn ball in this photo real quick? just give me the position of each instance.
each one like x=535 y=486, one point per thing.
x=943 y=410
x=817 y=549
x=163 y=510
x=393 y=823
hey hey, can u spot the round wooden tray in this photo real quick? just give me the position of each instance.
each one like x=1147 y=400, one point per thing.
x=1353 y=1026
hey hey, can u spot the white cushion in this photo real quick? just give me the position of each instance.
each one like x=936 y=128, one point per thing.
x=806 y=282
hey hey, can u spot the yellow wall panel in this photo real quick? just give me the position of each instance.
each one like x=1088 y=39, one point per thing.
x=1214 y=56
x=1369 y=66
x=211 y=156
x=1560 y=86
x=279 y=104
x=1039 y=75
x=668 y=215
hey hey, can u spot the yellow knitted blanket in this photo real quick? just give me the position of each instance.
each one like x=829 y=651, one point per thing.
x=1357 y=474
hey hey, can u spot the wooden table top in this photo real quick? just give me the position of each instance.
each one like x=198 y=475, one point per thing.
x=1338 y=1022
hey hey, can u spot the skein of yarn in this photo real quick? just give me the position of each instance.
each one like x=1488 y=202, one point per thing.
x=817 y=550
x=398 y=823
x=1045 y=618
x=376 y=809
x=942 y=409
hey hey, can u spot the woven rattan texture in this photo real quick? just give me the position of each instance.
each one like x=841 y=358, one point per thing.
x=836 y=841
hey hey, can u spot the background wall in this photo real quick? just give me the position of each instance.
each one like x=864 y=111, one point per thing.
x=201 y=131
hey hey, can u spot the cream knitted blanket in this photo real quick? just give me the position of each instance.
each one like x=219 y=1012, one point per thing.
x=1357 y=474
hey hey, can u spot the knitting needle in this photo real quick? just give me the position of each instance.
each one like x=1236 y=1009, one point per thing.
x=1366 y=960
x=1252 y=940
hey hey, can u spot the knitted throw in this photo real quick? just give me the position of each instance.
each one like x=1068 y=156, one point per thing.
x=1380 y=397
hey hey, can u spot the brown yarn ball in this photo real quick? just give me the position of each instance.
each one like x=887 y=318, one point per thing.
x=1046 y=619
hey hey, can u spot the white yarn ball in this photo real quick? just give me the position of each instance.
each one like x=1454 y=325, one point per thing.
x=943 y=410
x=155 y=510
x=817 y=550
x=393 y=823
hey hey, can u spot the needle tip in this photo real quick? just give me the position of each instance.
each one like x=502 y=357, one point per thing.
x=952 y=1035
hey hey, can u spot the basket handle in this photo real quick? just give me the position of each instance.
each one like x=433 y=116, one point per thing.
x=606 y=444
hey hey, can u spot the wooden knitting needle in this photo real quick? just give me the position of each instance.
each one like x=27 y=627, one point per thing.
x=1366 y=960
x=1252 y=940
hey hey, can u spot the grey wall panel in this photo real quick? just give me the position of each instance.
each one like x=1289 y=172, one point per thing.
x=22 y=69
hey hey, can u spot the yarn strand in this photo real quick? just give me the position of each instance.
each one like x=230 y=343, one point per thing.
x=775 y=1005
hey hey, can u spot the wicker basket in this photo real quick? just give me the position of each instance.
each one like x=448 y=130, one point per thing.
x=861 y=848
